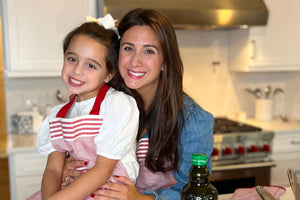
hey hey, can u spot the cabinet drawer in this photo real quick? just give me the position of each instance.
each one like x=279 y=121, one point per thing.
x=30 y=163
x=286 y=142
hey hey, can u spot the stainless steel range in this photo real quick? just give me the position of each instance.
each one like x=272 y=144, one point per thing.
x=241 y=156
x=236 y=142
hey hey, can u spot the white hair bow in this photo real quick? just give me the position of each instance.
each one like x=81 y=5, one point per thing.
x=107 y=22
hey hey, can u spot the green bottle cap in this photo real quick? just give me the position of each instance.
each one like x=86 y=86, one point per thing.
x=199 y=159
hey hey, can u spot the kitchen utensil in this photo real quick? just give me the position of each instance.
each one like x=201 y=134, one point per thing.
x=258 y=93
x=294 y=182
x=250 y=91
x=264 y=194
x=277 y=90
x=268 y=91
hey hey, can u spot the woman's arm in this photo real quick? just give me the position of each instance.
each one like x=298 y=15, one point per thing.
x=52 y=174
x=88 y=182
x=196 y=137
x=125 y=191
x=70 y=170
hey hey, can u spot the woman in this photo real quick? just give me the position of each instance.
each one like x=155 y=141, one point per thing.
x=174 y=126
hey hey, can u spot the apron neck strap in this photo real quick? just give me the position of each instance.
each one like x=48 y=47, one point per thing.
x=100 y=96
x=96 y=108
x=64 y=110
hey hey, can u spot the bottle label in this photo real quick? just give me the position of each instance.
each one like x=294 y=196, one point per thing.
x=199 y=159
x=199 y=162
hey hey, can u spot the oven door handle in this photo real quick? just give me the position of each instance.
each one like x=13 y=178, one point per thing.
x=295 y=142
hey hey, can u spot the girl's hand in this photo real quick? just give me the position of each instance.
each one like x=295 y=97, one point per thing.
x=70 y=170
x=126 y=190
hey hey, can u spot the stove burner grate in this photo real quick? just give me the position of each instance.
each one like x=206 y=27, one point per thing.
x=224 y=125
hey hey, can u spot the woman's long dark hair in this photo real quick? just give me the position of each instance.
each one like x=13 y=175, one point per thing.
x=161 y=118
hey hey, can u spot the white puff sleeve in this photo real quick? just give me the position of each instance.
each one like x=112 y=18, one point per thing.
x=118 y=133
x=43 y=142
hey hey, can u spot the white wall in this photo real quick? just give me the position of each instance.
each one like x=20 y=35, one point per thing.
x=222 y=92
x=213 y=87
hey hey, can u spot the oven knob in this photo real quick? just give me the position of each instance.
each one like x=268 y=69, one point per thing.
x=215 y=152
x=241 y=150
x=266 y=148
x=254 y=149
x=228 y=151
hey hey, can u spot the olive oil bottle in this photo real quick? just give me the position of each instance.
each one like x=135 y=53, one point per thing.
x=199 y=187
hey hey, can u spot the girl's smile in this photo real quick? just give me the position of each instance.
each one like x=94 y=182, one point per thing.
x=84 y=71
x=75 y=83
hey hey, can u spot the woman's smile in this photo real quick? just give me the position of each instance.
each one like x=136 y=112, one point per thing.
x=136 y=75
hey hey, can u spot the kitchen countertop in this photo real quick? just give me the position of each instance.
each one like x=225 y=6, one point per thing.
x=20 y=142
x=276 y=125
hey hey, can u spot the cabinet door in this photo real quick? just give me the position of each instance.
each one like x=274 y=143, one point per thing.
x=26 y=186
x=29 y=163
x=274 y=47
x=25 y=173
x=34 y=31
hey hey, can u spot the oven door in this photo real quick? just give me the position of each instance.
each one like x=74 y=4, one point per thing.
x=230 y=177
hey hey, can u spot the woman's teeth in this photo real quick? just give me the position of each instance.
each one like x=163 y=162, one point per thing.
x=136 y=73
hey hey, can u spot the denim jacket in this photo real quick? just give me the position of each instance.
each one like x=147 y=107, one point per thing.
x=196 y=137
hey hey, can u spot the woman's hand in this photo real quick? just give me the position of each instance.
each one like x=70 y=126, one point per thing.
x=124 y=190
x=70 y=170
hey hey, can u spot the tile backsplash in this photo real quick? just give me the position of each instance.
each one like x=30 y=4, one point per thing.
x=23 y=94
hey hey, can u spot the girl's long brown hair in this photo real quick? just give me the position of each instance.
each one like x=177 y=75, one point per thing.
x=161 y=118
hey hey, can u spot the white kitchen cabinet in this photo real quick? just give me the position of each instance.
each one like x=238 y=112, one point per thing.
x=286 y=154
x=25 y=173
x=34 y=31
x=274 y=47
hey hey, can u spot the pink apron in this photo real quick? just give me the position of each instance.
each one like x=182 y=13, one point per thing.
x=146 y=178
x=76 y=136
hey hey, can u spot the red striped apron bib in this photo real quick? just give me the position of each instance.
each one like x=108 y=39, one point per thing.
x=76 y=135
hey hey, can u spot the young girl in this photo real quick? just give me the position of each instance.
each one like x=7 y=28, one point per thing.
x=98 y=125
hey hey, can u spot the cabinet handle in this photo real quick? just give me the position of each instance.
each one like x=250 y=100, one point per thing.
x=295 y=142
x=253 y=56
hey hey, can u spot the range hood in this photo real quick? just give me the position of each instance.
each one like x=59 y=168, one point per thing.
x=196 y=14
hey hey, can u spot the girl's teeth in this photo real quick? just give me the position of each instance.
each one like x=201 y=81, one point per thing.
x=136 y=73
x=75 y=81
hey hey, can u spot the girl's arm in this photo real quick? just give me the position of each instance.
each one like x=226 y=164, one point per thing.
x=52 y=175
x=89 y=181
